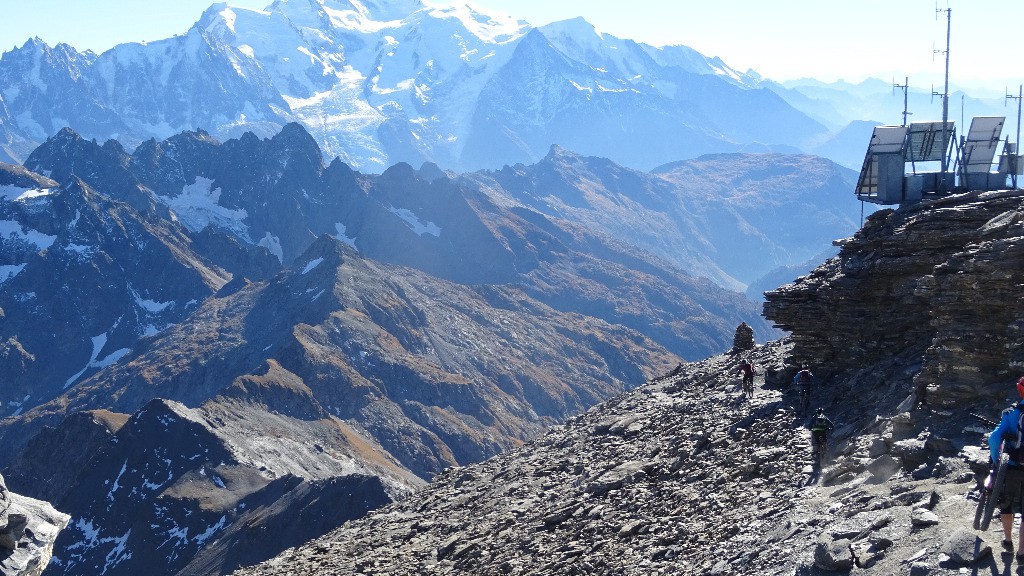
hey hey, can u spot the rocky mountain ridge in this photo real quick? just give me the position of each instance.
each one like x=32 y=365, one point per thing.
x=729 y=217
x=243 y=208
x=340 y=379
x=684 y=476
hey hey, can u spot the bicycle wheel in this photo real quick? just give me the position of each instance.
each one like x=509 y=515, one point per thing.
x=993 y=497
x=979 y=510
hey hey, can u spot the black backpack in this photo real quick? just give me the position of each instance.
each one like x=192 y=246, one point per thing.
x=1013 y=443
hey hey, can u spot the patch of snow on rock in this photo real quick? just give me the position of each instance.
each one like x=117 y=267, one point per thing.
x=14 y=231
x=417 y=225
x=272 y=243
x=198 y=206
x=312 y=264
x=341 y=229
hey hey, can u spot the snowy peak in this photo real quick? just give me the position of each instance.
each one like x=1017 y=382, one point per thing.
x=365 y=15
x=496 y=27
x=376 y=10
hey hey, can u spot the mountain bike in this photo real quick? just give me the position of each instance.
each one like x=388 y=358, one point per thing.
x=991 y=488
x=805 y=399
x=990 y=492
x=747 y=385
x=819 y=444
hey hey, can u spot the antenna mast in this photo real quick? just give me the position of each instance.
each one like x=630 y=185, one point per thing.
x=1016 y=151
x=905 y=86
x=945 y=100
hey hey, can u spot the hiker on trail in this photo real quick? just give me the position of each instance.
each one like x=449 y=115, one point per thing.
x=747 y=369
x=1011 y=500
x=820 y=426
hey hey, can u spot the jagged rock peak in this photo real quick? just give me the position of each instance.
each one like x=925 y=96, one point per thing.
x=556 y=152
x=68 y=147
x=296 y=134
x=398 y=172
x=198 y=135
x=325 y=250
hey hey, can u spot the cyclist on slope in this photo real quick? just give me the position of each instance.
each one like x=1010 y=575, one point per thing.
x=747 y=369
x=820 y=427
x=803 y=381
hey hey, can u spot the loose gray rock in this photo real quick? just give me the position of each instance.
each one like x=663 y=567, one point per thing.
x=834 y=555
x=965 y=547
x=922 y=518
x=12 y=531
x=29 y=536
x=867 y=554
x=883 y=467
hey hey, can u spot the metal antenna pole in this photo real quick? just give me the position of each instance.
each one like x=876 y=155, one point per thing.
x=905 y=86
x=945 y=101
x=1016 y=152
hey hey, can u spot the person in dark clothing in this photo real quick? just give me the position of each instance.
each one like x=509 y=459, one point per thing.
x=803 y=380
x=1006 y=437
x=820 y=427
x=747 y=369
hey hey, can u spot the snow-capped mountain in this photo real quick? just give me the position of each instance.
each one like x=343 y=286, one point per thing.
x=377 y=83
x=84 y=276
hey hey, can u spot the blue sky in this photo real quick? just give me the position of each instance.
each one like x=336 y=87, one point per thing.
x=781 y=39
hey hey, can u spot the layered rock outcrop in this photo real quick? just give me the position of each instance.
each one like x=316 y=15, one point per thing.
x=936 y=284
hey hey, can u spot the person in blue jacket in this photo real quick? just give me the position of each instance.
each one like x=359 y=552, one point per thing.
x=1008 y=436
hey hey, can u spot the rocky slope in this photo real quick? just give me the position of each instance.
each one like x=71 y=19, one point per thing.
x=341 y=381
x=204 y=490
x=683 y=476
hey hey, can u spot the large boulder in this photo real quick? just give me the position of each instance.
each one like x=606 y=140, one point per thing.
x=28 y=529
